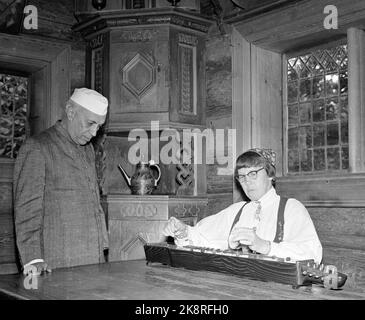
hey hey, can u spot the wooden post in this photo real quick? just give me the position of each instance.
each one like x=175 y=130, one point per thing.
x=356 y=107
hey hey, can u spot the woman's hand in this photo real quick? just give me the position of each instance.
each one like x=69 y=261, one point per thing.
x=248 y=237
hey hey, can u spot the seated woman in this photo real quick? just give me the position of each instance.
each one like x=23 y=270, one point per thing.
x=268 y=224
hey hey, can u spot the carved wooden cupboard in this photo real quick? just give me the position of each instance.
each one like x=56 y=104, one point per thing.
x=150 y=64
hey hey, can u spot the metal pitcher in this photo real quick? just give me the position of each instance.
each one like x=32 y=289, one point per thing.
x=143 y=180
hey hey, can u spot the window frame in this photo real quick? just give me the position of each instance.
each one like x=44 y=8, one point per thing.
x=22 y=74
x=286 y=56
x=334 y=189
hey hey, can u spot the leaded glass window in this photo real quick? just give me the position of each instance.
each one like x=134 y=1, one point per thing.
x=317 y=102
x=13 y=113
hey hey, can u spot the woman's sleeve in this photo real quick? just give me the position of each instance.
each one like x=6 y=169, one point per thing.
x=300 y=240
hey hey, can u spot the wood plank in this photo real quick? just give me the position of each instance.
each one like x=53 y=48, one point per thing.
x=345 y=241
x=349 y=261
x=135 y=280
x=299 y=24
x=218 y=202
x=6 y=201
x=344 y=189
x=339 y=221
x=267 y=102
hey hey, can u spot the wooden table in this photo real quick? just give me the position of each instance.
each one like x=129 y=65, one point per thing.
x=135 y=280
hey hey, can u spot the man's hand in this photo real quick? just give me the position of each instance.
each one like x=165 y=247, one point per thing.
x=36 y=268
x=175 y=228
x=247 y=236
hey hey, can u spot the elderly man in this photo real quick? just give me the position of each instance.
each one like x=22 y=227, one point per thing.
x=58 y=217
x=268 y=224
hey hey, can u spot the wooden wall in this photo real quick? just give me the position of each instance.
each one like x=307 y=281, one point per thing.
x=55 y=19
x=342 y=234
x=219 y=114
x=8 y=258
x=56 y=55
x=335 y=202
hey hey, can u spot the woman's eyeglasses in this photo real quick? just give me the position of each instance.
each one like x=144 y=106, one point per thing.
x=252 y=175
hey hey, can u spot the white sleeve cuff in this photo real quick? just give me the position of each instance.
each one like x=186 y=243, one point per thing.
x=273 y=249
x=33 y=261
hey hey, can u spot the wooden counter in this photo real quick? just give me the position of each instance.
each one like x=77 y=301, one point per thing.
x=135 y=280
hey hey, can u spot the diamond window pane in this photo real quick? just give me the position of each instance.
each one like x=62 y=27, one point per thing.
x=13 y=113
x=293 y=116
x=318 y=111
x=332 y=109
x=317 y=132
x=293 y=138
x=293 y=161
x=332 y=84
x=319 y=135
x=345 y=157
x=305 y=137
x=318 y=87
x=319 y=159
x=332 y=134
x=292 y=92
x=305 y=113
x=292 y=74
x=333 y=158
x=344 y=108
x=305 y=89
x=343 y=82
x=306 y=160
x=344 y=132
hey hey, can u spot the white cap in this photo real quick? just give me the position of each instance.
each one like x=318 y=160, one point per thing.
x=91 y=100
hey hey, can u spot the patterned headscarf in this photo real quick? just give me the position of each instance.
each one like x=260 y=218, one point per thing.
x=268 y=154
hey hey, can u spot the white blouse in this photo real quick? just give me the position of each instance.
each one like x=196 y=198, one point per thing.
x=300 y=241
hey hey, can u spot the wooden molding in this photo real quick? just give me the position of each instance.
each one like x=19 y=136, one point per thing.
x=345 y=190
x=173 y=16
x=51 y=75
x=299 y=24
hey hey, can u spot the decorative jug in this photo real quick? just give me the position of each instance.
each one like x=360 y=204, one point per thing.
x=143 y=180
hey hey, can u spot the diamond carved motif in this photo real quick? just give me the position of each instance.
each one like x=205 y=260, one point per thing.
x=138 y=75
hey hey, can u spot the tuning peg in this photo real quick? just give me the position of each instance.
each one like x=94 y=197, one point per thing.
x=304 y=273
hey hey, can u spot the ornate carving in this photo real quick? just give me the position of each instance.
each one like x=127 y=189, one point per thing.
x=137 y=36
x=138 y=240
x=187 y=79
x=139 y=210
x=159 y=18
x=184 y=210
x=185 y=175
x=100 y=161
x=139 y=75
x=97 y=42
x=97 y=69
x=188 y=39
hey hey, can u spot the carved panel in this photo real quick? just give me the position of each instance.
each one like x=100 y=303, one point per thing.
x=185 y=176
x=139 y=75
x=188 y=74
x=134 y=220
x=138 y=35
x=100 y=160
x=97 y=49
x=138 y=210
